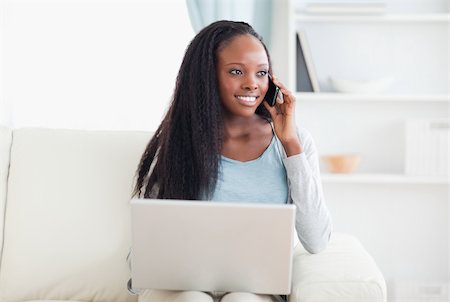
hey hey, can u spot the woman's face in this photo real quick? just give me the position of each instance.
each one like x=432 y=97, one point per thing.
x=242 y=72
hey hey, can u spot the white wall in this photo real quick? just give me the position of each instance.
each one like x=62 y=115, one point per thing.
x=97 y=64
x=3 y=112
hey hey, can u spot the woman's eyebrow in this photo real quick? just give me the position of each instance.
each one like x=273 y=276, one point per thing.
x=242 y=64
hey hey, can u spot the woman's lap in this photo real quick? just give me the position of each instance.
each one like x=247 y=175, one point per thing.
x=173 y=296
x=246 y=297
x=195 y=296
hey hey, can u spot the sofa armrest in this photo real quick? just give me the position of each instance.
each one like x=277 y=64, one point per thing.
x=5 y=147
x=343 y=272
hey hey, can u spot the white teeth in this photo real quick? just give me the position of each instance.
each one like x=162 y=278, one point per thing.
x=249 y=99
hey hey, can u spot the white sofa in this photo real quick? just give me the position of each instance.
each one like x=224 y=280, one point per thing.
x=65 y=224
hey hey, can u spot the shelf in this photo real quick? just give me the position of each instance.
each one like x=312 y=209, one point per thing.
x=382 y=179
x=432 y=17
x=348 y=97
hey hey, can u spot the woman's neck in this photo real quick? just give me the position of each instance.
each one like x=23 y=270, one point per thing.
x=236 y=126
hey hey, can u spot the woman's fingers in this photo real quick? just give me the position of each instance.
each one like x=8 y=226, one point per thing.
x=272 y=110
x=287 y=96
x=280 y=97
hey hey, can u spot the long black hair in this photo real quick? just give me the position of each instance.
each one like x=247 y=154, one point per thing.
x=182 y=159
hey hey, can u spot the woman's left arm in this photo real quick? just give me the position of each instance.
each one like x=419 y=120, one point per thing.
x=313 y=221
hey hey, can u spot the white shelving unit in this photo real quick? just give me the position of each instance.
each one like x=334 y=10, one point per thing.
x=432 y=17
x=348 y=97
x=410 y=45
x=360 y=178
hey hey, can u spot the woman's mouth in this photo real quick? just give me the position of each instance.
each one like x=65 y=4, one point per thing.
x=246 y=100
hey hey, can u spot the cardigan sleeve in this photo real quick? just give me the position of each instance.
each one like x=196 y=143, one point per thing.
x=313 y=221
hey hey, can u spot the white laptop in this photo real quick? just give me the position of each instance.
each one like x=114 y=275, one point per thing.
x=212 y=246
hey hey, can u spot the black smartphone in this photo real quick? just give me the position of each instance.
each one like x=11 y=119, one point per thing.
x=272 y=93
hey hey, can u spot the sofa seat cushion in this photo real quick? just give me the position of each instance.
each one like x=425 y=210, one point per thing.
x=343 y=272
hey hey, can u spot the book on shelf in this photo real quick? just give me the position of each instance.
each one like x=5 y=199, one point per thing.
x=306 y=73
x=427 y=147
x=346 y=7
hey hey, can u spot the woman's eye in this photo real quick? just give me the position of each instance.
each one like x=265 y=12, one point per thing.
x=262 y=73
x=236 y=72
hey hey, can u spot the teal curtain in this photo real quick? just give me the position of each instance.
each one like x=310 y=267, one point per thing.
x=258 y=13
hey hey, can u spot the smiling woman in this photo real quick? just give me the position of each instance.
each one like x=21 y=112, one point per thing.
x=91 y=64
x=221 y=142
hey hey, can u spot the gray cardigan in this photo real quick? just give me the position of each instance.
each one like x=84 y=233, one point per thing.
x=313 y=221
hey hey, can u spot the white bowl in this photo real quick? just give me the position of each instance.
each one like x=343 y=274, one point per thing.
x=353 y=86
x=341 y=163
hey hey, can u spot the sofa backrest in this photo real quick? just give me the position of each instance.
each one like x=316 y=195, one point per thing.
x=5 y=146
x=67 y=222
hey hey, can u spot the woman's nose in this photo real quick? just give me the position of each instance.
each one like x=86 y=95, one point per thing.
x=250 y=83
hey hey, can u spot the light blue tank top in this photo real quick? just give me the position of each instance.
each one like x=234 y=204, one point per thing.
x=262 y=180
